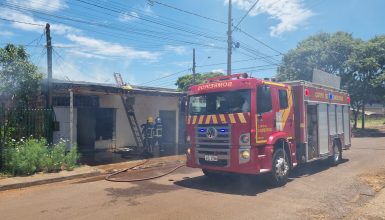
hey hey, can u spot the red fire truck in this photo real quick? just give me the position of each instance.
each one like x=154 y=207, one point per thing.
x=237 y=124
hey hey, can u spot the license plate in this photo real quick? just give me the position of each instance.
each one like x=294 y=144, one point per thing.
x=211 y=158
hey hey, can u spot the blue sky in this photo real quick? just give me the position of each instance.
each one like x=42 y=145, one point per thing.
x=151 y=43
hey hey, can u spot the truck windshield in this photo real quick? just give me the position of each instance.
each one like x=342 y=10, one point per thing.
x=220 y=103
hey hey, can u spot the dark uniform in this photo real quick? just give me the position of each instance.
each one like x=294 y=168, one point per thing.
x=158 y=133
x=148 y=135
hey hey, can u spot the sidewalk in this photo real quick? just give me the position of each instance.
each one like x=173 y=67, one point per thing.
x=81 y=172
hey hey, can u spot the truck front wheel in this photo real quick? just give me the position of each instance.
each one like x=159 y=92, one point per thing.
x=210 y=174
x=280 y=170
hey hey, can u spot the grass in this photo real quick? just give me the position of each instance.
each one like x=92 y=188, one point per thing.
x=372 y=122
x=4 y=175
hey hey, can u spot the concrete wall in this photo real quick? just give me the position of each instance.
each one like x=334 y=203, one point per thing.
x=63 y=117
x=123 y=137
x=151 y=105
x=144 y=106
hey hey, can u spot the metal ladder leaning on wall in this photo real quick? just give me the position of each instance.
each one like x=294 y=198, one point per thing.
x=129 y=109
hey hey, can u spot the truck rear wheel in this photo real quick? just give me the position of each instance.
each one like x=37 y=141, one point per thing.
x=280 y=170
x=337 y=154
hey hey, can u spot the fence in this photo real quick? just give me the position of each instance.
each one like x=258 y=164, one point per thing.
x=24 y=122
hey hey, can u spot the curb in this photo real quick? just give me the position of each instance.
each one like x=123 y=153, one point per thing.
x=47 y=181
x=99 y=171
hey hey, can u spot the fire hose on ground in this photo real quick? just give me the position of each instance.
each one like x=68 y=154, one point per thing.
x=109 y=177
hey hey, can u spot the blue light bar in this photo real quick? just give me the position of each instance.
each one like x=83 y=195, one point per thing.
x=222 y=130
x=202 y=130
x=331 y=96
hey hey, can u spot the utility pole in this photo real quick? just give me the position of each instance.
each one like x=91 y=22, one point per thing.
x=229 y=41
x=193 y=68
x=71 y=118
x=49 y=66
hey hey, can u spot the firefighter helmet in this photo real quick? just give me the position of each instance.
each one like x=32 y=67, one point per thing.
x=150 y=119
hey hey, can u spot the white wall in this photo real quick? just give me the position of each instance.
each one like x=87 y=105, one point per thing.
x=63 y=117
x=114 y=101
x=144 y=106
x=151 y=105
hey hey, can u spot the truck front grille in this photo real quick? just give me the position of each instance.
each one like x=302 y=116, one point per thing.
x=222 y=139
x=218 y=146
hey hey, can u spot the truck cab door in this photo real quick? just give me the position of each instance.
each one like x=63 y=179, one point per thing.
x=265 y=122
x=285 y=114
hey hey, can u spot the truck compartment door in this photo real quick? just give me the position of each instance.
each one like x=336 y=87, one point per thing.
x=323 y=140
x=346 y=120
x=332 y=120
x=340 y=123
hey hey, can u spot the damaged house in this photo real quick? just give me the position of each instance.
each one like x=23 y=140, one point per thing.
x=99 y=121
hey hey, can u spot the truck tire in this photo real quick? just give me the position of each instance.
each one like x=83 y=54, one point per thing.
x=211 y=174
x=336 y=157
x=280 y=168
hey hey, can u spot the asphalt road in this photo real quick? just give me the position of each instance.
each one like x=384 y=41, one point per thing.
x=315 y=191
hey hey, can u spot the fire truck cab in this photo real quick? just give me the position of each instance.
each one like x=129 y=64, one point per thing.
x=246 y=125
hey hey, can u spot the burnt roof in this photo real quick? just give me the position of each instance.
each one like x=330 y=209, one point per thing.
x=60 y=85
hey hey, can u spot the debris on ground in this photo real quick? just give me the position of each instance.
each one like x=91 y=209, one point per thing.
x=374 y=180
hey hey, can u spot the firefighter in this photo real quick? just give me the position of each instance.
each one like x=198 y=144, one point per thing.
x=148 y=133
x=158 y=133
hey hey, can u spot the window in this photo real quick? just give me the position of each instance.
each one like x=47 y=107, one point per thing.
x=220 y=103
x=264 y=103
x=105 y=123
x=282 y=99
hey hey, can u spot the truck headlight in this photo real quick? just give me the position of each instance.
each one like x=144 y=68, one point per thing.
x=245 y=154
x=188 y=151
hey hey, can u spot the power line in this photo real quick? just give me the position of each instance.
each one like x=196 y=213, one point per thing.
x=43 y=53
x=259 y=41
x=187 y=12
x=237 y=61
x=120 y=29
x=145 y=19
x=269 y=60
x=235 y=28
x=59 y=64
x=18 y=8
x=21 y=22
x=240 y=21
x=165 y=76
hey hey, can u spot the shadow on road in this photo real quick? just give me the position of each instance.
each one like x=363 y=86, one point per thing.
x=249 y=185
x=368 y=132
x=229 y=184
x=311 y=168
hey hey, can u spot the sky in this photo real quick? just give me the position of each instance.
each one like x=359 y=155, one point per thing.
x=150 y=42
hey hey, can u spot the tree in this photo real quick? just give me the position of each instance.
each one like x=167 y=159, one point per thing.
x=328 y=52
x=186 y=81
x=19 y=78
x=359 y=64
x=367 y=67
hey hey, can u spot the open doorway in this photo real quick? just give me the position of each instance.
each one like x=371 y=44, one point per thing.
x=169 y=131
x=86 y=134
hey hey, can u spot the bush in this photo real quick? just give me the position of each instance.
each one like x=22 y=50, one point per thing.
x=32 y=155
x=71 y=158
x=25 y=157
x=54 y=158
